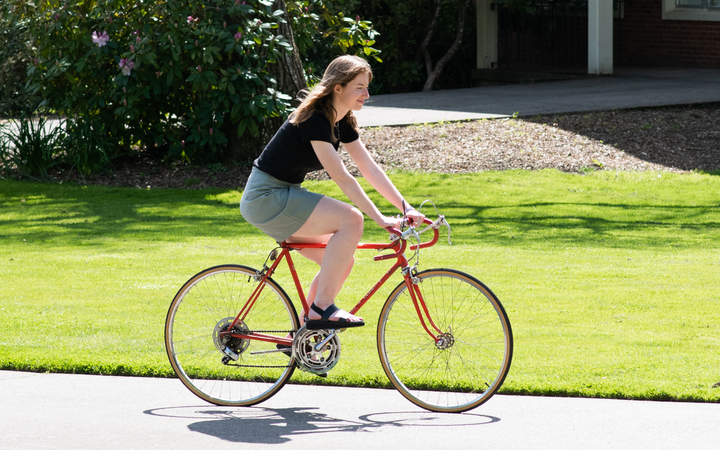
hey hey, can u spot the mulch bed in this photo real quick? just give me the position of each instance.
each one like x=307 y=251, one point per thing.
x=678 y=139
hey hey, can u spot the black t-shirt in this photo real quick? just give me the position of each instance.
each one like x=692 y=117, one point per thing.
x=289 y=155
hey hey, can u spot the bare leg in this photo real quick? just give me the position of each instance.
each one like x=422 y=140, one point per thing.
x=316 y=255
x=341 y=226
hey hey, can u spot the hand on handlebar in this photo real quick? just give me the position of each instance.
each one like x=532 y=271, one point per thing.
x=389 y=222
x=415 y=218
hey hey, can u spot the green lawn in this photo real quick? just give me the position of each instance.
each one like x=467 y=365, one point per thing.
x=610 y=279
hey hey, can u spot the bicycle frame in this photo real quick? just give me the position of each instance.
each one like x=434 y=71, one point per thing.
x=401 y=262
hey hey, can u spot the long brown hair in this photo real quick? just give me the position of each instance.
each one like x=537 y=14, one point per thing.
x=341 y=71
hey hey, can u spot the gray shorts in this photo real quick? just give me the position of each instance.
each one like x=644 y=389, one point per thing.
x=276 y=207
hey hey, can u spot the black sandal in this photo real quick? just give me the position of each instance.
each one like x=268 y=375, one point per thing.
x=324 y=323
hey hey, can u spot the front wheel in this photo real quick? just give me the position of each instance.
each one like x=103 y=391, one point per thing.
x=222 y=369
x=469 y=360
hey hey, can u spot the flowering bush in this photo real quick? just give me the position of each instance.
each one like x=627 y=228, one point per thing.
x=15 y=55
x=180 y=78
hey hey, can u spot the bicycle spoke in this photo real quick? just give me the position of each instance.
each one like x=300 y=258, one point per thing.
x=199 y=347
x=470 y=361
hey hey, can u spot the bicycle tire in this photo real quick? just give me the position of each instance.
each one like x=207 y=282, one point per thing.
x=465 y=374
x=208 y=302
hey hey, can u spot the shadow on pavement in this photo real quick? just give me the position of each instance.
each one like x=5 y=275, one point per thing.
x=279 y=425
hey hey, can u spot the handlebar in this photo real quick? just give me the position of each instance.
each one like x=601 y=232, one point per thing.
x=402 y=236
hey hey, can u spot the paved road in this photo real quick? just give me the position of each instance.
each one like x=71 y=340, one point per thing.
x=56 y=411
x=628 y=88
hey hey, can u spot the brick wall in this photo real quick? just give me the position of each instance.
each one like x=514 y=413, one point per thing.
x=643 y=38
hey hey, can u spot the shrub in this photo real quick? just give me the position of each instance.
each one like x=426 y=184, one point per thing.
x=30 y=147
x=184 y=78
x=6 y=162
x=15 y=55
x=87 y=146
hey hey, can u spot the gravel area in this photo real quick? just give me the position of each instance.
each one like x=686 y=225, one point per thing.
x=678 y=139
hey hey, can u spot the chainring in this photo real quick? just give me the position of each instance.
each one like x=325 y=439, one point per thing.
x=311 y=359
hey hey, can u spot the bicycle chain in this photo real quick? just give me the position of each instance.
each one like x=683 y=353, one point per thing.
x=264 y=331
x=257 y=367
x=248 y=332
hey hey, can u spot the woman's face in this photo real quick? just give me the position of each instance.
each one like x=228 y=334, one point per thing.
x=353 y=95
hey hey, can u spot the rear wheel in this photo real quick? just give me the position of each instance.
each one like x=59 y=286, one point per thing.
x=225 y=370
x=468 y=362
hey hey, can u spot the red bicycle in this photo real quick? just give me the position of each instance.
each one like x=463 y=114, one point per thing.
x=233 y=336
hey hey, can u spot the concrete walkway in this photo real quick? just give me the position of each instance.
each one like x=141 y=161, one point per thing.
x=56 y=411
x=628 y=88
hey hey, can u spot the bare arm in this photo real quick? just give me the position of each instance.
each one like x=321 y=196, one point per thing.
x=348 y=184
x=379 y=180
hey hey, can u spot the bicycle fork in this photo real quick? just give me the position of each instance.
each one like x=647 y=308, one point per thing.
x=442 y=340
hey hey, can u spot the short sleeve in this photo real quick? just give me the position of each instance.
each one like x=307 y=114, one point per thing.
x=347 y=132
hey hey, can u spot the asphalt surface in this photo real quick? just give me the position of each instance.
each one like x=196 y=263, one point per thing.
x=59 y=411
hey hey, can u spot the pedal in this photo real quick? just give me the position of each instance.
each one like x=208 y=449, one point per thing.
x=234 y=356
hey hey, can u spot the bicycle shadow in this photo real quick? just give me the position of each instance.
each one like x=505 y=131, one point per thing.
x=280 y=425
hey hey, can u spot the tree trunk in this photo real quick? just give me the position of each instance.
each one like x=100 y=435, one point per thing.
x=422 y=50
x=290 y=76
x=434 y=72
x=288 y=71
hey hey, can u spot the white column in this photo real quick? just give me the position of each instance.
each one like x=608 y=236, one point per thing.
x=600 y=37
x=487 y=31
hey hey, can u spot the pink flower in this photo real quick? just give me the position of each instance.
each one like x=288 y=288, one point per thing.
x=211 y=132
x=100 y=39
x=357 y=18
x=132 y=48
x=238 y=36
x=137 y=40
x=157 y=74
x=199 y=68
x=191 y=20
x=182 y=143
x=127 y=65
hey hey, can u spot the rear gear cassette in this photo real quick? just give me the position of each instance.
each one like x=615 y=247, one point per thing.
x=230 y=345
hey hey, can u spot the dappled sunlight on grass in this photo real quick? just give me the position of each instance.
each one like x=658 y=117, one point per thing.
x=609 y=278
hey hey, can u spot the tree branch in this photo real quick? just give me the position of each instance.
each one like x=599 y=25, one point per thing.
x=422 y=51
x=435 y=73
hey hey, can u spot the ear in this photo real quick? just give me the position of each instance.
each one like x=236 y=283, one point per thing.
x=337 y=89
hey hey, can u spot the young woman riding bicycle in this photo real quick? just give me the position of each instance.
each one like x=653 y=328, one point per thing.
x=275 y=202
